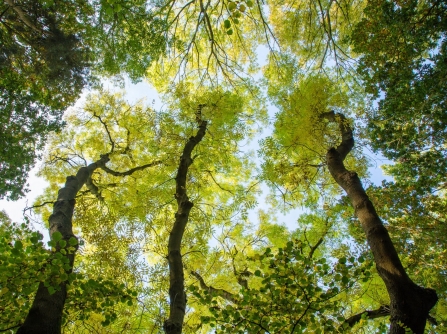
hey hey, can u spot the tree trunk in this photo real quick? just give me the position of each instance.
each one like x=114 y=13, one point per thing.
x=177 y=295
x=409 y=303
x=45 y=315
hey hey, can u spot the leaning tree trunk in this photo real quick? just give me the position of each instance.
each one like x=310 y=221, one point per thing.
x=177 y=296
x=409 y=303
x=45 y=315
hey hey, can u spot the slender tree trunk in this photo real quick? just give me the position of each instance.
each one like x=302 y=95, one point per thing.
x=45 y=315
x=177 y=296
x=409 y=303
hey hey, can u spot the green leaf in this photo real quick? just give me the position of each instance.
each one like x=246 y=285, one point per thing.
x=18 y=245
x=56 y=236
x=72 y=241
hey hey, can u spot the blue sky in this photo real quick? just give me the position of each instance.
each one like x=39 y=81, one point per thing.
x=134 y=93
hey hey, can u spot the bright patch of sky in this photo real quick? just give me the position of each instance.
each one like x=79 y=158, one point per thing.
x=15 y=209
x=142 y=90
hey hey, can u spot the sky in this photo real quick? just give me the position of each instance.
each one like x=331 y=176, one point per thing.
x=14 y=209
x=134 y=93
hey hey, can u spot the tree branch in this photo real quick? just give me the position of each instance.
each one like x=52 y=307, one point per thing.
x=347 y=137
x=8 y=329
x=314 y=247
x=214 y=291
x=222 y=188
x=319 y=242
x=131 y=171
x=24 y=18
x=382 y=311
x=112 y=143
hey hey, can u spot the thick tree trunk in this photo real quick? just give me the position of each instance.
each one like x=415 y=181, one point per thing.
x=409 y=303
x=45 y=315
x=177 y=295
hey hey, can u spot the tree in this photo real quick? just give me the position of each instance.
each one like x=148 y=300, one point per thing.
x=45 y=315
x=43 y=68
x=308 y=146
x=409 y=303
x=317 y=278
x=404 y=60
x=403 y=47
x=51 y=50
x=27 y=265
x=177 y=294
x=122 y=128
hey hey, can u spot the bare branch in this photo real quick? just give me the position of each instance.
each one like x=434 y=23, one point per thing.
x=107 y=130
x=131 y=171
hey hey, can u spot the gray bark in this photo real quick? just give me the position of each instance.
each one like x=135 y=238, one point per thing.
x=409 y=303
x=45 y=315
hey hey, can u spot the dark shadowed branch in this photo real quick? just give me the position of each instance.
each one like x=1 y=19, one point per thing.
x=214 y=291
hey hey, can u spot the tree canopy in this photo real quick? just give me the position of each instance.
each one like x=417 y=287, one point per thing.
x=242 y=204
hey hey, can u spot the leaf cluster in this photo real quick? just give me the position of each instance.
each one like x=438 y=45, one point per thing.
x=288 y=292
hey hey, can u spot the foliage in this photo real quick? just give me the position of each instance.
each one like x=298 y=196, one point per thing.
x=22 y=261
x=415 y=218
x=126 y=37
x=403 y=64
x=213 y=43
x=43 y=67
x=316 y=32
x=325 y=58
x=144 y=146
x=25 y=263
x=294 y=156
x=289 y=292
x=50 y=49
